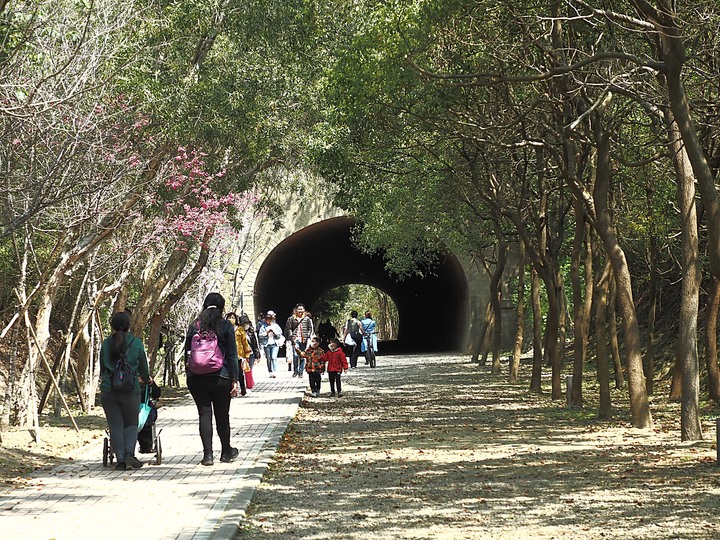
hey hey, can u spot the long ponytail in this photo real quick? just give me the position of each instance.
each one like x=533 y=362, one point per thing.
x=120 y=323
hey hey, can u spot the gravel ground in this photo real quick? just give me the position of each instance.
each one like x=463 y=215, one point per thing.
x=436 y=447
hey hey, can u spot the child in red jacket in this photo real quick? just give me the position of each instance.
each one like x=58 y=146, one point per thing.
x=336 y=365
x=314 y=365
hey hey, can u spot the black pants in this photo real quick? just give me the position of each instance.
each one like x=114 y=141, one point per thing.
x=212 y=396
x=335 y=381
x=355 y=353
x=315 y=380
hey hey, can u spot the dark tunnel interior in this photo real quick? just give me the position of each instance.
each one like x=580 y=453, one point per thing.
x=432 y=310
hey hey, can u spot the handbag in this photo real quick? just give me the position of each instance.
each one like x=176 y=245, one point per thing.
x=249 y=380
x=280 y=340
x=349 y=340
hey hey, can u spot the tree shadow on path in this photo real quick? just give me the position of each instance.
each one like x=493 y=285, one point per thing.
x=437 y=448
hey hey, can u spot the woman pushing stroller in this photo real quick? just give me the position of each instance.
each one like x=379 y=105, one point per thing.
x=122 y=405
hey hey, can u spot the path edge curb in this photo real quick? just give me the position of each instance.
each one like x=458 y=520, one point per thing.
x=236 y=508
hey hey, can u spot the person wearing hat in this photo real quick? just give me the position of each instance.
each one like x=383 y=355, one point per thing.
x=271 y=339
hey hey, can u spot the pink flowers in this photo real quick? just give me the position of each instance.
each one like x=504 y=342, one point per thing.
x=195 y=198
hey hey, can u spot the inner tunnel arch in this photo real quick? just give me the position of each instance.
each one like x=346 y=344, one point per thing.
x=433 y=311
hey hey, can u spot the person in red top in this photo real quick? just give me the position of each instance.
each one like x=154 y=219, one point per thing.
x=315 y=365
x=337 y=364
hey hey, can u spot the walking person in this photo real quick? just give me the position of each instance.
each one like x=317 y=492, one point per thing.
x=353 y=329
x=232 y=317
x=252 y=339
x=244 y=352
x=213 y=375
x=298 y=331
x=314 y=365
x=326 y=331
x=369 y=330
x=271 y=339
x=122 y=408
x=336 y=364
x=289 y=356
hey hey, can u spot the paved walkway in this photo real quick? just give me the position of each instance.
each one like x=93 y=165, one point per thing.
x=179 y=499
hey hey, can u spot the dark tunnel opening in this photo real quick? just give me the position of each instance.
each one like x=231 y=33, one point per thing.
x=432 y=310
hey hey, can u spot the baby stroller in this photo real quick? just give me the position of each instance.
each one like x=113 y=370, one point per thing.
x=148 y=435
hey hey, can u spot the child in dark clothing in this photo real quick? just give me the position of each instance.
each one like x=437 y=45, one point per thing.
x=314 y=365
x=336 y=364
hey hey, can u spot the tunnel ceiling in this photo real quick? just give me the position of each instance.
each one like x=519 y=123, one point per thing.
x=320 y=257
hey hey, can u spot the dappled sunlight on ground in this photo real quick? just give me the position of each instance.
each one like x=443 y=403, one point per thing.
x=435 y=447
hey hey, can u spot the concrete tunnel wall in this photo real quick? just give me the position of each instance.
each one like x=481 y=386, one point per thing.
x=433 y=311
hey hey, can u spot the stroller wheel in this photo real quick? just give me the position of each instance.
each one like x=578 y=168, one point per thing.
x=106 y=451
x=158 y=452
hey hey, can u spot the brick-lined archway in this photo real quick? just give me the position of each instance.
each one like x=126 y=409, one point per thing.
x=432 y=310
x=312 y=253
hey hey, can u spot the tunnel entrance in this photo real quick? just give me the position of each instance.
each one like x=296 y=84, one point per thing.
x=433 y=311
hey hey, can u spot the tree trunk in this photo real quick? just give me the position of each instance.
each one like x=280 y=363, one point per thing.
x=483 y=336
x=495 y=293
x=552 y=330
x=614 y=339
x=536 y=379
x=652 y=311
x=676 y=382
x=6 y=418
x=601 y=349
x=517 y=350
x=489 y=334
x=639 y=404
x=562 y=319
x=652 y=297
x=478 y=336
x=580 y=304
x=711 y=354
x=690 y=427
x=85 y=358
x=545 y=269
x=162 y=289
x=158 y=278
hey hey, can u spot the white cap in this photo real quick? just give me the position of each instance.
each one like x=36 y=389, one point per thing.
x=270 y=313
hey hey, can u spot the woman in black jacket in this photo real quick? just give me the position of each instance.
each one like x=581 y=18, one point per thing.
x=213 y=391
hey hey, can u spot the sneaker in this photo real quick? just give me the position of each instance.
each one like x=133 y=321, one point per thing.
x=121 y=466
x=207 y=459
x=339 y=394
x=227 y=458
x=294 y=375
x=147 y=450
x=272 y=375
x=133 y=462
x=315 y=394
x=332 y=394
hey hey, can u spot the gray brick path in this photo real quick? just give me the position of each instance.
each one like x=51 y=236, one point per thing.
x=179 y=499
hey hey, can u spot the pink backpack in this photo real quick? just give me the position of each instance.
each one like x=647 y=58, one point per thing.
x=205 y=354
